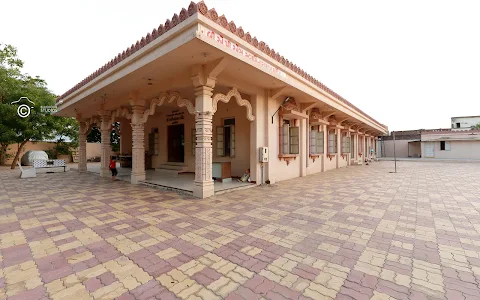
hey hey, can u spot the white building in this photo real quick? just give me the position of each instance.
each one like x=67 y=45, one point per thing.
x=465 y=123
x=451 y=144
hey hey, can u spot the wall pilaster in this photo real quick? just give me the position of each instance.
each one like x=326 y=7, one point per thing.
x=325 y=147
x=338 y=132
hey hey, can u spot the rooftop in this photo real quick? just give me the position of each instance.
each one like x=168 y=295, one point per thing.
x=202 y=8
x=465 y=117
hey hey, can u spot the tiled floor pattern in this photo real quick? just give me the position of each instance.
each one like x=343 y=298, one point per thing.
x=353 y=233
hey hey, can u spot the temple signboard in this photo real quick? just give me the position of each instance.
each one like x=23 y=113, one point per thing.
x=175 y=117
x=240 y=50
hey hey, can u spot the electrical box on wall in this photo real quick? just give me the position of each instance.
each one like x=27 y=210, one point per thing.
x=263 y=154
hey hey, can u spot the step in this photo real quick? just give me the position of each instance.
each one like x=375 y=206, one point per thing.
x=171 y=169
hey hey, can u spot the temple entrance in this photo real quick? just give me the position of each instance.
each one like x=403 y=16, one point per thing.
x=176 y=143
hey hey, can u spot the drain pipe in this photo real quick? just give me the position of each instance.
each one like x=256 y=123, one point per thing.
x=284 y=101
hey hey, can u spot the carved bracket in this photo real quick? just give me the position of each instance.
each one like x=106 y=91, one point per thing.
x=288 y=157
x=121 y=112
x=331 y=156
x=314 y=156
x=241 y=102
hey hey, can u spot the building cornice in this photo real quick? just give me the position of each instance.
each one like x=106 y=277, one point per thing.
x=202 y=8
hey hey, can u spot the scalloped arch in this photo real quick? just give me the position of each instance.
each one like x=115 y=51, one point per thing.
x=169 y=97
x=241 y=102
x=89 y=124
x=121 y=112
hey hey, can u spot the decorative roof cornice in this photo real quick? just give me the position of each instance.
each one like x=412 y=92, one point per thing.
x=211 y=14
x=163 y=28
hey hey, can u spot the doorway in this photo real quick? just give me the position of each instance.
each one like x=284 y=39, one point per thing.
x=429 y=149
x=176 y=143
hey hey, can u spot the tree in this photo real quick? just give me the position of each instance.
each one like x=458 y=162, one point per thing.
x=10 y=75
x=115 y=137
x=38 y=125
x=95 y=136
x=476 y=126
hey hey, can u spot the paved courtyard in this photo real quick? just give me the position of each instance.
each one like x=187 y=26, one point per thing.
x=353 y=233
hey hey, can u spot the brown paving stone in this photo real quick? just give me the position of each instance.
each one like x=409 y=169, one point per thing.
x=407 y=217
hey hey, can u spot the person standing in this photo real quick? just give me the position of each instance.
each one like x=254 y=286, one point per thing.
x=113 y=168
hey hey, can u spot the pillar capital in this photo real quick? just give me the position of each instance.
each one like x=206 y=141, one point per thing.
x=204 y=90
x=200 y=79
x=137 y=103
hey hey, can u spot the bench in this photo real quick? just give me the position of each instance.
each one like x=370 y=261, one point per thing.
x=51 y=163
x=27 y=173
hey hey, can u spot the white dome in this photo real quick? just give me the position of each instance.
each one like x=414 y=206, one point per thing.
x=30 y=156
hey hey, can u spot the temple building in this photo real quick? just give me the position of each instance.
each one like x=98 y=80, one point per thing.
x=199 y=99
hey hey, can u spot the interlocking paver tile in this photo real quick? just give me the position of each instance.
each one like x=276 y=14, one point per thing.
x=353 y=233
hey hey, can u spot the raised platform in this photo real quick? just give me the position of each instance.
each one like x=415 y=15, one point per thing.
x=182 y=183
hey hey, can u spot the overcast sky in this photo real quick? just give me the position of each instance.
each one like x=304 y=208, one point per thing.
x=409 y=64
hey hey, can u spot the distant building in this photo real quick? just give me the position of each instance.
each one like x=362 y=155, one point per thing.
x=451 y=144
x=458 y=142
x=465 y=123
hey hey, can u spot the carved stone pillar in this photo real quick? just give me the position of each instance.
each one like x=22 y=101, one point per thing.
x=105 y=127
x=82 y=145
x=138 y=142
x=203 y=186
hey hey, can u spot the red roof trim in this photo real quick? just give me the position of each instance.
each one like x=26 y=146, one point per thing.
x=222 y=21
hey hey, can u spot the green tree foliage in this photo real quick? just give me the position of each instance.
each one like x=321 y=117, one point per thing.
x=39 y=125
x=95 y=136
x=115 y=137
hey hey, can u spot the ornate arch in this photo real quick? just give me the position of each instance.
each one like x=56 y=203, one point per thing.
x=120 y=112
x=89 y=124
x=169 y=97
x=241 y=102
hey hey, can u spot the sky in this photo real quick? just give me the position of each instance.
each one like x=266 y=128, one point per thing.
x=410 y=64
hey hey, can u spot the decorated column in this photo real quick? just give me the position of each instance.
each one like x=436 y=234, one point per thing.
x=105 y=127
x=203 y=186
x=82 y=145
x=138 y=141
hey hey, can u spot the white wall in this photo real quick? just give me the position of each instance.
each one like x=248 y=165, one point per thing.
x=465 y=122
x=458 y=150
